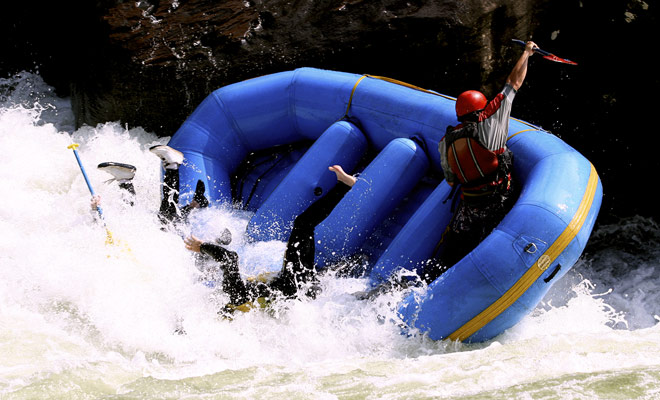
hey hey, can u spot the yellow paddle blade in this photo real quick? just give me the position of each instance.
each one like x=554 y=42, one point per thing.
x=109 y=239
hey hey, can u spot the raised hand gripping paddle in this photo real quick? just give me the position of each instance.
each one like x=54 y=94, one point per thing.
x=74 y=147
x=547 y=55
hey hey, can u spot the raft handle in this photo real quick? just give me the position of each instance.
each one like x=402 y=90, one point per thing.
x=552 y=275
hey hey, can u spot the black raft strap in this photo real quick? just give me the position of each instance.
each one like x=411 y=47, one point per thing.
x=552 y=275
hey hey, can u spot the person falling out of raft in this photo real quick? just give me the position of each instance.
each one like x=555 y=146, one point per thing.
x=169 y=212
x=474 y=156
x=298 y=274
x=298 y=271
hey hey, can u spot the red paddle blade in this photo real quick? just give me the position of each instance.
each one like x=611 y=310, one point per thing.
x=546 y=54
x=554 y=58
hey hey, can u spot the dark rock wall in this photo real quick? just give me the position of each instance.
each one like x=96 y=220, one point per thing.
x=149 y=63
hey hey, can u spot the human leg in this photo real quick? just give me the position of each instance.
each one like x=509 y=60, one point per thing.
x=227 y=261
x=298 y=266
x=170 y=159
x=169 y=206
x=169 y=209
x=123 y=174
x=472 y=222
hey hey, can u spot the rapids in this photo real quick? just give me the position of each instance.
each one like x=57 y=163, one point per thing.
x=81 y=319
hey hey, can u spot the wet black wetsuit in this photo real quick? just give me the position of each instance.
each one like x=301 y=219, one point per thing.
x=474 y=219
x=169 y=210
x=298 y=271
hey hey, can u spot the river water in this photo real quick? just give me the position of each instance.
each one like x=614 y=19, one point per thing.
x=83 y=319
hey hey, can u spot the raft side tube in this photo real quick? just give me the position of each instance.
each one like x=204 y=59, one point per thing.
x=261 y=111
x=379 y=189
x=319 y=98
x=228 y=124
x=256 y=178
x=388 y=110
x=528 y=301
x=416 y=242
x=211 y=148
x=293 y=106
x=554 y=269
x=386 y=233
x=342 y=143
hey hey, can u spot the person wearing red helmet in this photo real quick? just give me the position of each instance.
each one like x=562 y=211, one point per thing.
x=474 y=157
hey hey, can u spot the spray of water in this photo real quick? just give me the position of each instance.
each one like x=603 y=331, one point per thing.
x=75 y=310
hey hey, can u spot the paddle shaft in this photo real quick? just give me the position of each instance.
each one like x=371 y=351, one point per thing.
x=536 y=49
x=82 y=169
x=546 y=54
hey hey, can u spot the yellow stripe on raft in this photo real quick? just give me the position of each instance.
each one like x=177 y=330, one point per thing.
x=390 y=80
x=536 y=270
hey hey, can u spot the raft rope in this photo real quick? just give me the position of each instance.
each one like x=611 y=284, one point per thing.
x=535 y=129
x=386 y=79
x=536 y=270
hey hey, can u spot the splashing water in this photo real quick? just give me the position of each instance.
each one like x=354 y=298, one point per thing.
x=81 y=318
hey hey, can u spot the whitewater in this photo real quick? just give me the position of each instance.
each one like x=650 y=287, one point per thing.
x=84 y=319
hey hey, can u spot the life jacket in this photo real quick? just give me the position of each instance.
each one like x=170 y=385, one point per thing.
x=476 y=168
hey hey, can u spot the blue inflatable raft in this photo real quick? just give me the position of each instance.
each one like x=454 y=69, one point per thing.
x=265 y=145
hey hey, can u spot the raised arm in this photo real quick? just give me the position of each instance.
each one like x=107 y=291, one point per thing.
x=517 y=75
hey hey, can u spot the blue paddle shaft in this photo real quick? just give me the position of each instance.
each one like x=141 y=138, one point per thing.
x=536 y=49
x=82 y=169
x=89 y=185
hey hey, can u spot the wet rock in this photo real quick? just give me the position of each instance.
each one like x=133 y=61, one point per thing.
x=149 y=63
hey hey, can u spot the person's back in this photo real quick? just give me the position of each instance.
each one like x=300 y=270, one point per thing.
x=474 y=157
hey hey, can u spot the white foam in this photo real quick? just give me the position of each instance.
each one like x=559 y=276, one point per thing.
x=68 y=300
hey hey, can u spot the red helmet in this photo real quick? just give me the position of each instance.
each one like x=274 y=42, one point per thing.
x=470 y=101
